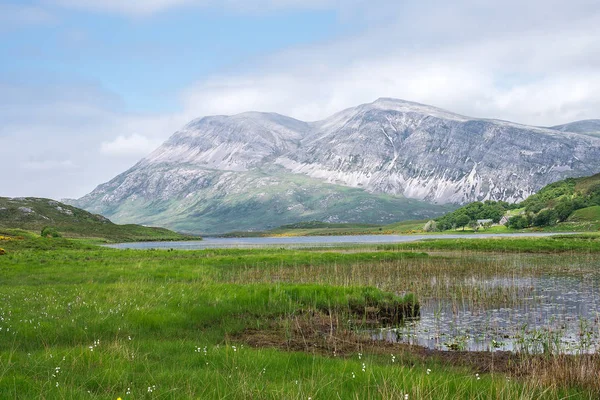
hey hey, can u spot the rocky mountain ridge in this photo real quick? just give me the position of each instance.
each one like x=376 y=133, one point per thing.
x=259 y=170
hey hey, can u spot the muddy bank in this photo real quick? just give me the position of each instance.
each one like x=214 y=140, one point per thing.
x=326 y=335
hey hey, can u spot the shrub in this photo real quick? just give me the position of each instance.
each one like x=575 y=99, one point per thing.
x=2 y=252
x=545 y=218
x=518 y=222
x=50 y=232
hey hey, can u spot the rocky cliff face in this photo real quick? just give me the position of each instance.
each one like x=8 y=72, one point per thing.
x=425 y=153
x=235 y=143
x=268 y=169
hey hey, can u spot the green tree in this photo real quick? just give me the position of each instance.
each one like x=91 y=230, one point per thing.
x=545 y=218
x=564 y=209
x=462 y=220
x=474 y=225
x=518 y=222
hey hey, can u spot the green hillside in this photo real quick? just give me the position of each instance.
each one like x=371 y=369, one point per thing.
x=261 y=201
x=586 y=214
x=34 y=214
x=571 y=204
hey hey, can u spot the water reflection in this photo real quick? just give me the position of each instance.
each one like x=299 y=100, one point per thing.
x=558 y=314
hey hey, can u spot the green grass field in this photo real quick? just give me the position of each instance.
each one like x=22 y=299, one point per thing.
x=316 y=228
x=81 y=321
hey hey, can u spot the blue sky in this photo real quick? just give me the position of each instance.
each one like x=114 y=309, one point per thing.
x=89 y=87
x=148 y=59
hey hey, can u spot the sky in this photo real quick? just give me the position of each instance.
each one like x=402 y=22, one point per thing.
x=89 y=87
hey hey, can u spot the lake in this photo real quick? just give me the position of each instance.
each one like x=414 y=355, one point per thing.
x=307 y=241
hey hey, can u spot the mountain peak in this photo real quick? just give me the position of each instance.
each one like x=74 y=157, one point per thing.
x=405 y=106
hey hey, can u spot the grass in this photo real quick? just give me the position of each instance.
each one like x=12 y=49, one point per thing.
x=33 y=214
x=555 y=244
x=80 y=321
x=316 y=228
x=586 y=214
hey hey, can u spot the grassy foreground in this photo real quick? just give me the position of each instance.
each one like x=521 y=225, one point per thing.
x=79 y=321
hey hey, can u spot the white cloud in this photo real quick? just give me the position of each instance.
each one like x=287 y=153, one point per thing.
x=57 y=131
x=132 y=145
x=534 y=74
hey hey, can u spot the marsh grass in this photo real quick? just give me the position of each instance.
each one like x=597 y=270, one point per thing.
x=78 y=321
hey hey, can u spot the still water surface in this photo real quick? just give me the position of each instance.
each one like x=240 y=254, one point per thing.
x=552 y=314
x=305 y=241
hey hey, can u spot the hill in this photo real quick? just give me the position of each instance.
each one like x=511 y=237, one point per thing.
x=570 y=203
x=34 y=214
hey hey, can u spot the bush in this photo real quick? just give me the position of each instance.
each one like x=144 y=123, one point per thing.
x=545 y=218
x=2 y=252
x=518 y=222
x=564 y=209
x=50 y=232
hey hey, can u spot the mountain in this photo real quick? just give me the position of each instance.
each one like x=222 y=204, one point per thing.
x=33 y=214
x=426 y=153
x=381 y=162
x=588 y=126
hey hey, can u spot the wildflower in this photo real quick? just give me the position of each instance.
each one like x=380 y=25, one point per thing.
x=353 y=376
x=359 y=356
x=428 y=371
x=393 y=358
x=477 y=376
x=364 y=367
x=406 y=396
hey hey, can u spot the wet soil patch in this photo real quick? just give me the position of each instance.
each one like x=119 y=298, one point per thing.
x=322 y=334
